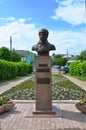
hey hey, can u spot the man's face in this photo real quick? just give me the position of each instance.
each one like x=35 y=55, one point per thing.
x=43 y=36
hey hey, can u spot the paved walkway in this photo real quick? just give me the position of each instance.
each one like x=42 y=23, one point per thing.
x=12 y=83
x=20 y=118
x=80 y=83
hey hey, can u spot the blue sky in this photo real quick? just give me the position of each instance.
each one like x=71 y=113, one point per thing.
x=65 y=20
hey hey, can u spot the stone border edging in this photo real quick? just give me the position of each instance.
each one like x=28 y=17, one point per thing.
x=53 y=101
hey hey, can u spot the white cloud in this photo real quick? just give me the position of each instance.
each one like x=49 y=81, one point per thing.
x=64 y=2
x=27 y=36
x=68 y=40
x=2 y=1
x=22 y=20
x=72 y=11
x=8 y=20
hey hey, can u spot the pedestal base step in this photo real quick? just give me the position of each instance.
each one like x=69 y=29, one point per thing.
x=55 y=112
x=44 y=112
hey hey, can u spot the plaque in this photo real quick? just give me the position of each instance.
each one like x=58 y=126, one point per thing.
x=43 y=81
x=43 y=70
x=43 y=65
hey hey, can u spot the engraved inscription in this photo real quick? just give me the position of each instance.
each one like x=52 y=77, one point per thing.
x=43 y=65
x=43 y=70
x=43 y=80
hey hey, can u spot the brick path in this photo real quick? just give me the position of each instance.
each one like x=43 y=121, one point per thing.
x=20 y=118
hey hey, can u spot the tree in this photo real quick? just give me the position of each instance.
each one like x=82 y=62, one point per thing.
x=5 y=53
x=15 y=57
x=82 y=56
x=59 y=61
x=58 y=56
x=9 y=55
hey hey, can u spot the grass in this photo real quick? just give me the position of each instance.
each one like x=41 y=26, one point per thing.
x=78 y=77
x=62 y=89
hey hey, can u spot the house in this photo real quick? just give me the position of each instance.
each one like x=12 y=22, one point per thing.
x=70 y=57
x=27 y=56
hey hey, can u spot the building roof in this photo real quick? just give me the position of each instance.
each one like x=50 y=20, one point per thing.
x=22 y=52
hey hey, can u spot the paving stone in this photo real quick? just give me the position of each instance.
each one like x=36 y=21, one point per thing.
x=18 y=118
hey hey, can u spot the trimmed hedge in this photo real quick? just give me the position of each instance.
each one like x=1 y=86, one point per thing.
x=23 y=68
x=10 y=70
x=78 y=69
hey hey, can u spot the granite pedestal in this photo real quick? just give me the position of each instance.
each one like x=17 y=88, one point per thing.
x=43 y=85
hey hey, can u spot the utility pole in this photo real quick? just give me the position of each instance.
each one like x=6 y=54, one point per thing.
x=67 y=53
x=11 y=41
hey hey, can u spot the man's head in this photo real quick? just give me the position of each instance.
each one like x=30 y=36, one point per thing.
x=44 y=31
x=43 y=34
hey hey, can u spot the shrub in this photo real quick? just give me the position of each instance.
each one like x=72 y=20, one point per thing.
x=73 y=68
x=23 y=68
x=78 y=69
x=83 y=69
x=7 y=69
x=10 y=69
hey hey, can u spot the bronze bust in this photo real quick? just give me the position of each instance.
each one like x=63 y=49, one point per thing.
x=43 y=46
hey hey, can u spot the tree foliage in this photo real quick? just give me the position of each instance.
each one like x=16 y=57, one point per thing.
x=82 y=56
x=58 y=56
x=59 y=61
x=15 y=57
x=5 y=54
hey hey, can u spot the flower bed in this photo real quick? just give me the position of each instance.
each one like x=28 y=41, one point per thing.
x=62 y=89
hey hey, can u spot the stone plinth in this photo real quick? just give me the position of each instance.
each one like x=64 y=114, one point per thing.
x=43 y=85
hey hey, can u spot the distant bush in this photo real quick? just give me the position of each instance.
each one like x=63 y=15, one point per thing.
x=78 y=69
